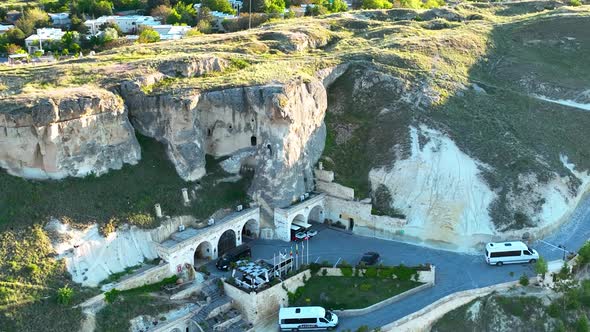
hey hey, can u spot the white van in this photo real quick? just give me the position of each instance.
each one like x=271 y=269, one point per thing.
x=306 y=319
x=500 y=253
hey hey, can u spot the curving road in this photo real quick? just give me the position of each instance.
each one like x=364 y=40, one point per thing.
x=454 y=271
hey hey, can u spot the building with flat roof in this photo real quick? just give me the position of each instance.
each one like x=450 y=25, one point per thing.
x=35 y=42
x=128 y=24
x=171 y=32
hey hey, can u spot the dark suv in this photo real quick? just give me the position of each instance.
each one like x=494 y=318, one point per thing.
x=369 y=258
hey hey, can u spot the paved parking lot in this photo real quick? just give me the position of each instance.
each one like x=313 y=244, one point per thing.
x=454 y=271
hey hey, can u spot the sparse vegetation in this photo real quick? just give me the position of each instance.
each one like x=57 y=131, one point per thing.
x=92 y=199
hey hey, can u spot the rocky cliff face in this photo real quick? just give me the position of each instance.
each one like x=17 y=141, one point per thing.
x=66 y=132
x=282 y=123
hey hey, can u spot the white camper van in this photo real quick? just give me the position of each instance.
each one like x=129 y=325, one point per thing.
x=306 y=319
x=500 y=253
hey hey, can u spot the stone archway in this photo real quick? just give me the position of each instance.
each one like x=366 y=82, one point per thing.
x=203 y=253
x=251 y=229
x=226 y=242
x=316 y=215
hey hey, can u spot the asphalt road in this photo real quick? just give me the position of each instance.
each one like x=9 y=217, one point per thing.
x=454 y=271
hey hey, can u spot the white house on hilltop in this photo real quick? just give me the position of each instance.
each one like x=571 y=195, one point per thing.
x=128 y=24
x=35 y=42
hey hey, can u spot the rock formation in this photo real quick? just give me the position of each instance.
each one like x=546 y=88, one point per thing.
x=283 y=123
x=66 y=132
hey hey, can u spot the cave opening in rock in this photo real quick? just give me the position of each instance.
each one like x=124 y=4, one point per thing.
x=208 y=131
x=253 y=140
x=269 y=149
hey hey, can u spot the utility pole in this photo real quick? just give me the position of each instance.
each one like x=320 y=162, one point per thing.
x=250 y=16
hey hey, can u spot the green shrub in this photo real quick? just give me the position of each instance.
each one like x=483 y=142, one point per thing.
x=142 y=220
x=575 y=3
x=524 y=280
x=582 y=324
x=239 y=63
x=386 y=272
x=346 y=269
x=584 y=253
x=64 y=295
x=112 y=295
x=32 y=269
x=324 y=272
x=365 y=287
x=203 y=269
x=404 y=273
x=371 y=272
x=554 y=310
x=314 y=268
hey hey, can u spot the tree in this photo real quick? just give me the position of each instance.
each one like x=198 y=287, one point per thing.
x=376 y=4
x=584 y=253
x=274 y=7
x=219 y=5
x=108 y=35
x=182 y=13
x=32 y=19
x=415 y=4
x=541 y=267
x=151 y=4
x=112 y=25
x=582 y=324
x=15 y=36
x=148 y=35
x=337 y=6
x=161 y=12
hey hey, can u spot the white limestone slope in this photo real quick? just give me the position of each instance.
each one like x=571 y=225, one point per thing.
x=91 y=258
x=441 y=191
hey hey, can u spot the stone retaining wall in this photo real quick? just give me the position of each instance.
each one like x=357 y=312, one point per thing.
x=149 y=276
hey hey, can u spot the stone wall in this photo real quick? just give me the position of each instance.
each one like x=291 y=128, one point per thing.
x=259 y=306
x=149 y=276
x=363 y=221
x=170 y=226
x=334 y=189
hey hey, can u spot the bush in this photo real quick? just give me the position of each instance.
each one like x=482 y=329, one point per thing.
x=371 y=272
x=584 y=254
x=346 y=269
x=386 y=272
x=582 y=324
x=64 y=295
x=554 y=310
x=524 y=280
x=324 y=272
x=575 y=3
x=142 y=220
x=404 y=273
x=203 y=269
x=148 y=36
x=365 y=287
x=314 y=268
x=109 y=227
x=111 y=295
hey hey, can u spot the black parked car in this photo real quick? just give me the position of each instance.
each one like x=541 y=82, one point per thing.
x=369 y=258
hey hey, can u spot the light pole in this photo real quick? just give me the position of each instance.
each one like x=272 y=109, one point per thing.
x=562 y=247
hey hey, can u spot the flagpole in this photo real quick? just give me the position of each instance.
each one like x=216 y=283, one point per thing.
x=307 y=250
